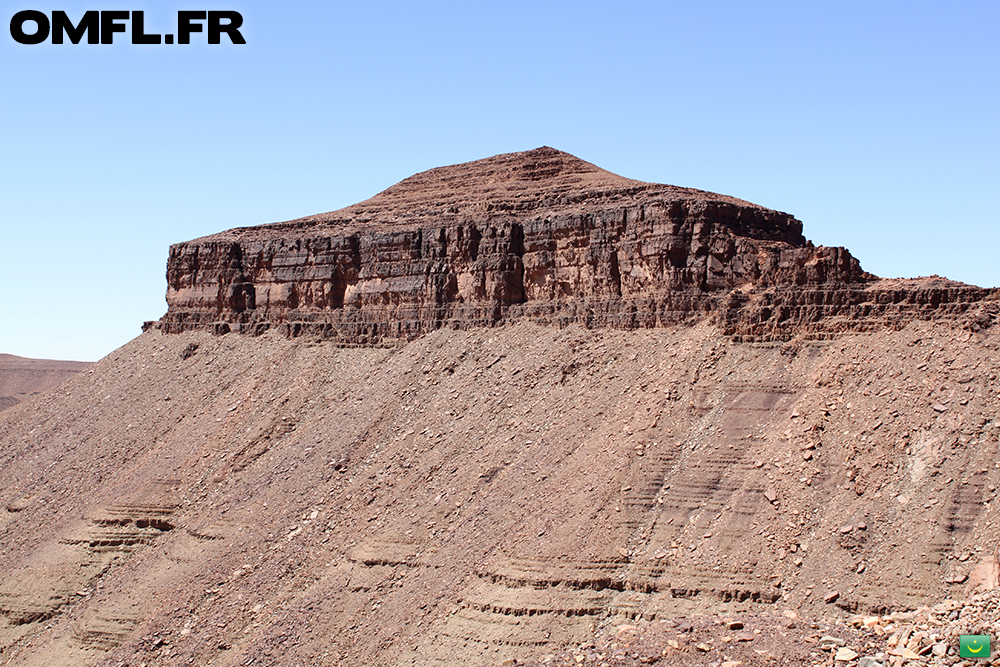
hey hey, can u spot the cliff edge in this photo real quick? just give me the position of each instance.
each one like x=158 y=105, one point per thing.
x=538 y=235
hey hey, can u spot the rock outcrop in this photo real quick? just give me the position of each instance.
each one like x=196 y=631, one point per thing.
x=540 y=235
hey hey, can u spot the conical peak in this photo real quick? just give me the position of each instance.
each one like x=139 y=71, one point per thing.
x=541 y=168
x=511 y=181
x=524 y=185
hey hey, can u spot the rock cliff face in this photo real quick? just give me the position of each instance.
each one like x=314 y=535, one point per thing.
x=540 y=235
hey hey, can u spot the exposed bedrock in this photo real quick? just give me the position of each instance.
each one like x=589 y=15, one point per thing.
x=540 y=235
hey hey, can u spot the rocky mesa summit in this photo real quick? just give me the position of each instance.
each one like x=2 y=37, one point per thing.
x=538 y=235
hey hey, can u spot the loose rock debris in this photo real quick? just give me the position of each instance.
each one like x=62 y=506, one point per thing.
x=927 y=636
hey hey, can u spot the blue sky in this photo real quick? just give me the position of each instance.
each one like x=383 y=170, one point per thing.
x=875 y=123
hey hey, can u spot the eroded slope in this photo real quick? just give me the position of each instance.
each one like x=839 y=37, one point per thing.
x=476 y=495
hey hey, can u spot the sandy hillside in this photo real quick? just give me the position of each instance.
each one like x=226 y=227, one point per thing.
x=477 y=496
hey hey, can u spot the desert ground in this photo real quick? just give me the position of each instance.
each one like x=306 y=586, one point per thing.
x=500 y=494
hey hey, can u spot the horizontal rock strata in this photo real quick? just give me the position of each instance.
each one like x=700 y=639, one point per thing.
x=539 y=235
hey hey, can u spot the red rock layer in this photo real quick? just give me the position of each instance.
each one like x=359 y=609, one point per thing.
x=539 y=235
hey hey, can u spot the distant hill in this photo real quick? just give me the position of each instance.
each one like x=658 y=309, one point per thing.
x=21 y=377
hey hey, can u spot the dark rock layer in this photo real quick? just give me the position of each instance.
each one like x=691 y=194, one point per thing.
x=540 y=235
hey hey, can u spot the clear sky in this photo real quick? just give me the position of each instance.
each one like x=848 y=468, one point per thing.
x=875 y=123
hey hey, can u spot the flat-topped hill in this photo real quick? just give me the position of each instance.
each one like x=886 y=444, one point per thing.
x=21 y=377
x=539 y=235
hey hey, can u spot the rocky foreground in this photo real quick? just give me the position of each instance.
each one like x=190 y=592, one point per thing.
x=925 y=636
x=489 y=494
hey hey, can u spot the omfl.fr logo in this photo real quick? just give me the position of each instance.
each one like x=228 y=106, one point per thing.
x=31 y=27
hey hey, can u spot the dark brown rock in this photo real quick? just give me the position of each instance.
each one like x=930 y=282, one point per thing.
x=539 y=235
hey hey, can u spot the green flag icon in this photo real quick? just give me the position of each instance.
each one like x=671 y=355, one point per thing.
x=974 y=646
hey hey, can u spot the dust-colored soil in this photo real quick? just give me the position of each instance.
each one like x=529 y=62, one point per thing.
x=21 y=378
x=495 y=494
x=929 y=635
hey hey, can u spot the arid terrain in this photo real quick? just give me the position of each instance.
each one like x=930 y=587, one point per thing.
x=753 y=453
x=21 y=377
